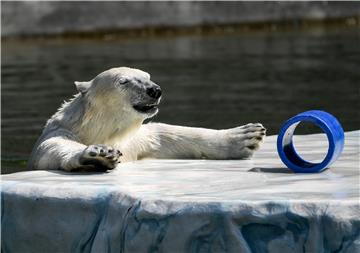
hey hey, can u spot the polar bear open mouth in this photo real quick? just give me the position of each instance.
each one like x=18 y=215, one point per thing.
x=146 y=108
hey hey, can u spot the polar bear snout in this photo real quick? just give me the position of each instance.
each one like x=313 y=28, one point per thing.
x=154 y=91
x=149 y=100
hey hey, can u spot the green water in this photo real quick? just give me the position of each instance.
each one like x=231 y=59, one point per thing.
x=211 y=81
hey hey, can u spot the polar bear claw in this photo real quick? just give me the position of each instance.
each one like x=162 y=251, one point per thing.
x=244 y=140
x=100 y=157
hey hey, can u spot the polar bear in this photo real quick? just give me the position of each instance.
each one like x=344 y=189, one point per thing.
x=103 y=125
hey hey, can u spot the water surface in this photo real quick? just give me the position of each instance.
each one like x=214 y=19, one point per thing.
x=211 y=81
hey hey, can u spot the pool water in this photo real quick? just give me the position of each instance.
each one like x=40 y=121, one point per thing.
x=217 y=81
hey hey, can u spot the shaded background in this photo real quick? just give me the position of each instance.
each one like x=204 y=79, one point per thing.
x=219 y=64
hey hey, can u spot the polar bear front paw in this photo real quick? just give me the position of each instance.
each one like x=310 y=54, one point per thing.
x=244 y=140
x=100 y=157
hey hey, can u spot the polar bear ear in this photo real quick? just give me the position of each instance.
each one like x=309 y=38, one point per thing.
x=82 y=87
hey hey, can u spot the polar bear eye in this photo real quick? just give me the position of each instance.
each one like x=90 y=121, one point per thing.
x=123 y=80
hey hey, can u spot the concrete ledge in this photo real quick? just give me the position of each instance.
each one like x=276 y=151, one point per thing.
x=44 y=18
x=188 y=206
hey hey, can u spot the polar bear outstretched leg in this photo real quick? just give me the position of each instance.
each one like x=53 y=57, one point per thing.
x=157 y=140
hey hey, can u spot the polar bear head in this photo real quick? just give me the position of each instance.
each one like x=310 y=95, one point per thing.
x=122 y=90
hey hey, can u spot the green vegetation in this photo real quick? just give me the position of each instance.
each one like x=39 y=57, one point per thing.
x=11 y=165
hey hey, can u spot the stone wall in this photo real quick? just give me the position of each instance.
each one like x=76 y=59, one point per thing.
x=38 y=18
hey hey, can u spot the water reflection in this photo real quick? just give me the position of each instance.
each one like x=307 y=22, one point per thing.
x=213 y=81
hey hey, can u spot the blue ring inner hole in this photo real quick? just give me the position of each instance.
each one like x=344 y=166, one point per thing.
x=289 y=149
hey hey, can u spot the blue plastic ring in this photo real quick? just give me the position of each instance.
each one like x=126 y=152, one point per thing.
x=328 y=123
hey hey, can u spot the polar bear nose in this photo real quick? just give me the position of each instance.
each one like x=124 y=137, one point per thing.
x=154 y=92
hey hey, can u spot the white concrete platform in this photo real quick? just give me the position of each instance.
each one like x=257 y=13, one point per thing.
x=189 y=206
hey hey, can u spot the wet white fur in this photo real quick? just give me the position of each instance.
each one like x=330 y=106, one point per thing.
x=102 y=113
